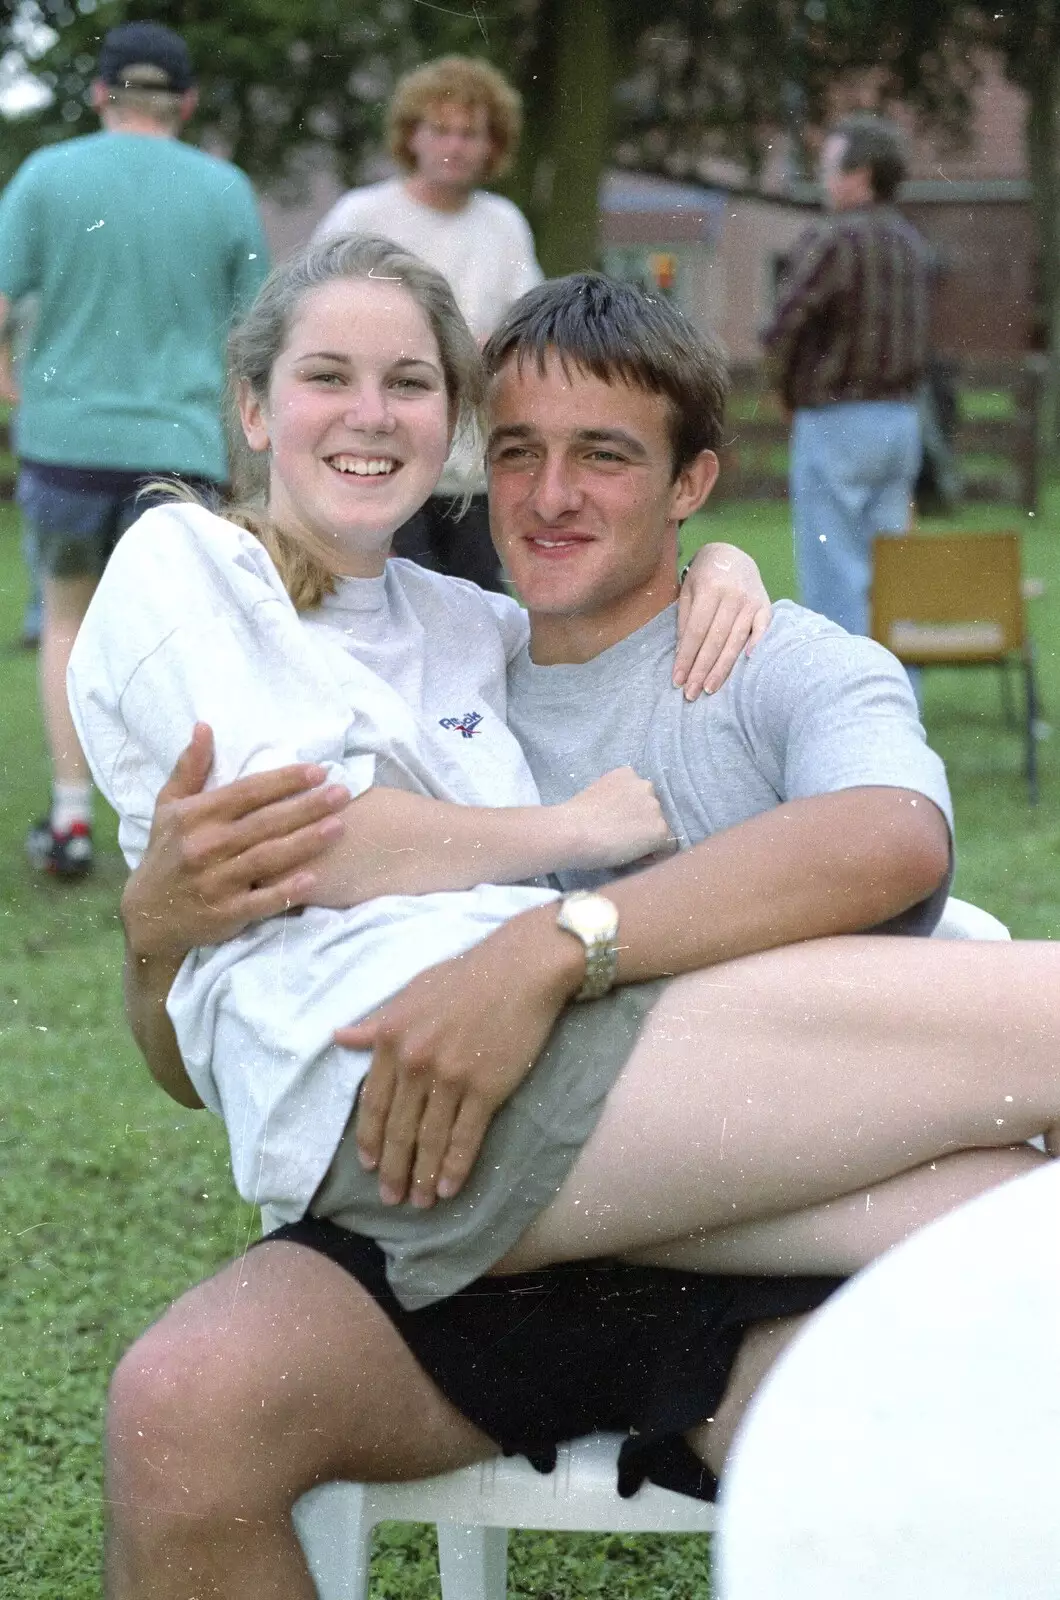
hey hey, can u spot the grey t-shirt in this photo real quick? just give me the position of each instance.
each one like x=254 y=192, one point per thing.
x=813 y=711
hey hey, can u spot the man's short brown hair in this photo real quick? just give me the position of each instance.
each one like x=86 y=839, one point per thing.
x=620 y=333
x=460 y=81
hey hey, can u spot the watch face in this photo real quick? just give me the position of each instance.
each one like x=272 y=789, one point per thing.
x=594 y=916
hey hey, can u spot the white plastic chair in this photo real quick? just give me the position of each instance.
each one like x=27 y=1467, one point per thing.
x=475 y=1506
x=961 y=920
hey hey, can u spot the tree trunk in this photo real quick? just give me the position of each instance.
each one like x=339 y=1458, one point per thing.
x=572 y=145
x=536 y=84
x=1043 y=151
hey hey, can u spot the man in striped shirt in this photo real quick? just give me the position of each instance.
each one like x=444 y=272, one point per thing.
x=846 y=350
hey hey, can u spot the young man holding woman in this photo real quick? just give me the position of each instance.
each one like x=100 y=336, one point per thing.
x=732 y=1137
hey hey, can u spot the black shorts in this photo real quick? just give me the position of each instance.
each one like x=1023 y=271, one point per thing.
x=538 y=1358
x=442 y=537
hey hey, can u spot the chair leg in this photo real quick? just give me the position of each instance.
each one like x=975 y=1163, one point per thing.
x=1008 y=705
x=473 y=1562
x=336 y=1535
x=1031 y=705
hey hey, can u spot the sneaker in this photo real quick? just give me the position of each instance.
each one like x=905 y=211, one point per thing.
x=64 y=855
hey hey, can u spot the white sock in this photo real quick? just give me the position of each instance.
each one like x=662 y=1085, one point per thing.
x=71 y=802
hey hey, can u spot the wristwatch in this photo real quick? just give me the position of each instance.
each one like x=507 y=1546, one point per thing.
x=593 y=919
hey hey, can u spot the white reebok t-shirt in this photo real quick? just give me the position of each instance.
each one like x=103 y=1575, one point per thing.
x=398 y=681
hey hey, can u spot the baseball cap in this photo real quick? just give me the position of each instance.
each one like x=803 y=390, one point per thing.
x=145 y=55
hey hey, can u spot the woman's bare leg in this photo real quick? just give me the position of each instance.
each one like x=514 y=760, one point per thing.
x=842 y=1236
x=839 y=1237
x=784 y=1080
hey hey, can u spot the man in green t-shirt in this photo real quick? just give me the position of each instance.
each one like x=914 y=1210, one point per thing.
x=139 y=250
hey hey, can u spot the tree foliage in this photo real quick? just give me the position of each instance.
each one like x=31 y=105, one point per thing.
x=724 y=77
x=663 y=83
x=277 y=80
x=279 y=83
x=666 y=80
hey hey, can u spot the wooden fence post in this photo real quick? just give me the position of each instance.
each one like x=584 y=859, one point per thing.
x=1028 y=397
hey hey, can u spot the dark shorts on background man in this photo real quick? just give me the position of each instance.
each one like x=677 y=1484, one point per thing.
x=76 y=515
x=538 y=1358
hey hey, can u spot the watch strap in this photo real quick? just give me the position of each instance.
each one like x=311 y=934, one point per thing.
x=601 y=964
x=600 y=944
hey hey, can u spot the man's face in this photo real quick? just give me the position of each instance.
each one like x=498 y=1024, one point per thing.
x=584 y=507
x=843 y=190
x=452 y=145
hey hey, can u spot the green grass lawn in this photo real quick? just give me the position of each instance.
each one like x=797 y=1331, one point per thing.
x=115 y=1199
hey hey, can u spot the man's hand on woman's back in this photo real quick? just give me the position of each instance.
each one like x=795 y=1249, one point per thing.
x=219 y=859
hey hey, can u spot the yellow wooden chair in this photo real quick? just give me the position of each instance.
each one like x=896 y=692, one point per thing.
x=957 y=601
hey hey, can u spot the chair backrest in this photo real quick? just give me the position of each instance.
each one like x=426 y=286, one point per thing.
x=950 y=599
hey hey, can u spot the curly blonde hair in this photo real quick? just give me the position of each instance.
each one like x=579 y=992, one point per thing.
x=462 y=81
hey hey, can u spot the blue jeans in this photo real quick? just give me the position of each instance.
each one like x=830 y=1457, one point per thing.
x=853 y=468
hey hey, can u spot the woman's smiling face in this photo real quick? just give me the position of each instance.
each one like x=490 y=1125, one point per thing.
x=356 y=421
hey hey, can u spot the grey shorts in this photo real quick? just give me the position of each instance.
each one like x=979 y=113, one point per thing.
x=530 y=1147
